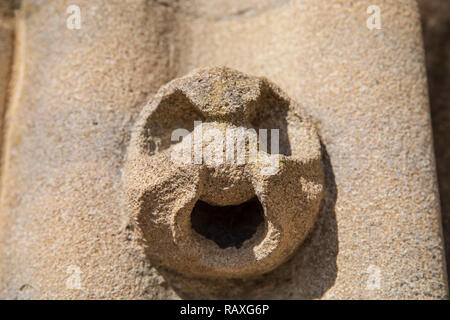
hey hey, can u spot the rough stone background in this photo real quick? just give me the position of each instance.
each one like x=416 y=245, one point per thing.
x=436 y=30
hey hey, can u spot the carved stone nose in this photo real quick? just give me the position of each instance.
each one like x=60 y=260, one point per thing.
x=223 y=176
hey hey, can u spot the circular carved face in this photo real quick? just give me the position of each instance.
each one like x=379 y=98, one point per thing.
x=223 y=176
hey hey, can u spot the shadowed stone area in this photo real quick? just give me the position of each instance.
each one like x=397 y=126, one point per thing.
x=228 y=226
x=436 y=32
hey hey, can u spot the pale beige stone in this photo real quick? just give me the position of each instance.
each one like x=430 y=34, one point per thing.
x=435 y=23
x=378 y=233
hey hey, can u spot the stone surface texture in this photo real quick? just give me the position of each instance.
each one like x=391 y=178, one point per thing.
x=79 y=93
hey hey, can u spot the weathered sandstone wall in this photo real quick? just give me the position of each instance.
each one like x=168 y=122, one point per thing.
x=64 y=230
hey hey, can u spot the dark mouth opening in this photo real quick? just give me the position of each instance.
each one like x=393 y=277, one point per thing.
x=227 y=226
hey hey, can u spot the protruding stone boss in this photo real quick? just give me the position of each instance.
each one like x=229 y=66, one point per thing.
x=223 y=176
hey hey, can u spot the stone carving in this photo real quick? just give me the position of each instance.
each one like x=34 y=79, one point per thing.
x=224 y=208
x=70 y=99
